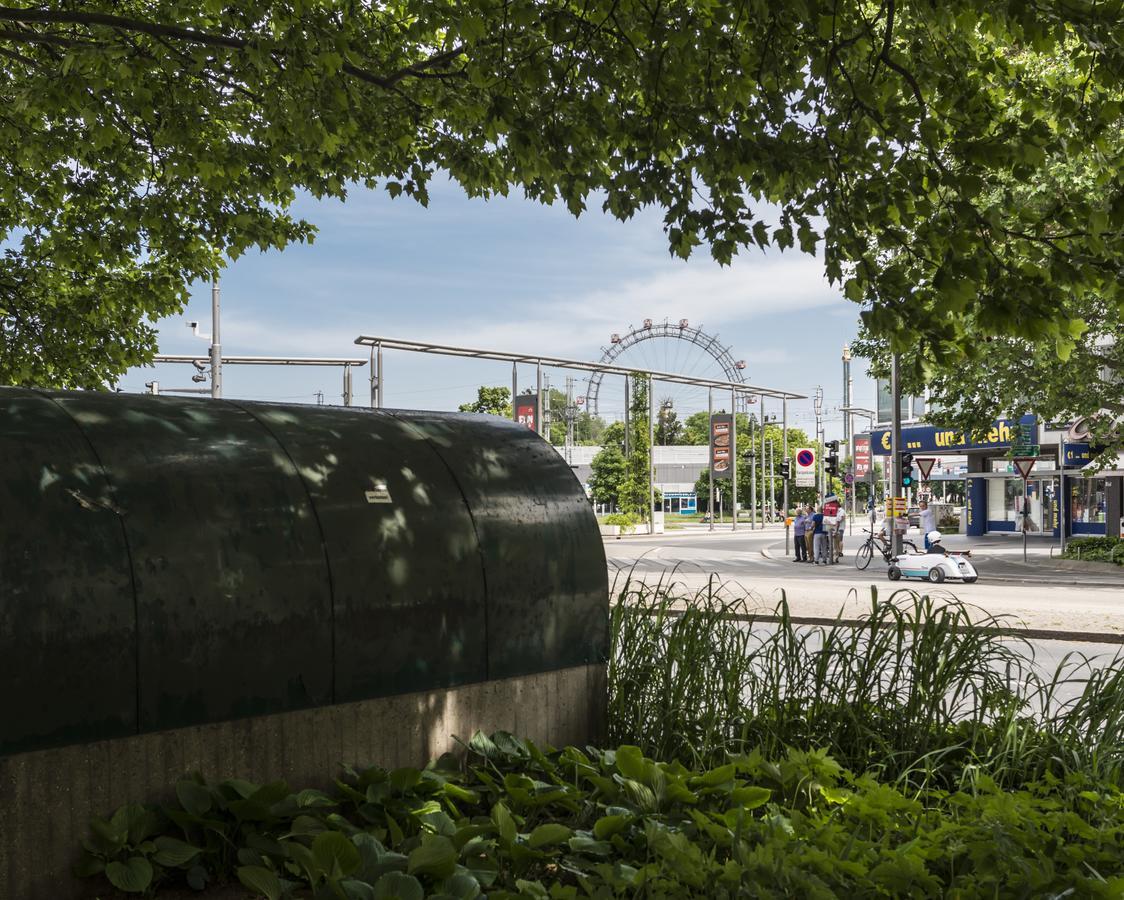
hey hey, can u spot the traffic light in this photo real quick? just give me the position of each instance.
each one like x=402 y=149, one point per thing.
x=786 y=469
x=831 y=461
x=907 y=469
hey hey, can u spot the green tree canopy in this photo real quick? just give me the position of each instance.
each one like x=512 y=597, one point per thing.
x=146 y=142
x=494 y=401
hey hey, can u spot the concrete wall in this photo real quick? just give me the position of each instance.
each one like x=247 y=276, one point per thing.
x=47 y=797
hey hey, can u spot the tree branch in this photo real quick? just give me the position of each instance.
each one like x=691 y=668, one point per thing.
x=195 y=36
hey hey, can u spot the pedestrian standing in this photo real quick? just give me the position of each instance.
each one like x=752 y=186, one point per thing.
x=820 y=537
x=840 y=525
x=798 y=524
x=831 y=507
x=928 y=521
x=809 y=533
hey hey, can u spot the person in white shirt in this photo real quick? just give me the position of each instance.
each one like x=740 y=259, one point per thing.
x=928 y=521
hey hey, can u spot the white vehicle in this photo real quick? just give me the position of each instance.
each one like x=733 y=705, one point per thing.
x=936 y=564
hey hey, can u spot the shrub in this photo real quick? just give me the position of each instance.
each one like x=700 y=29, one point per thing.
x=522 y=822
x=1095 y=549
x=625 y=520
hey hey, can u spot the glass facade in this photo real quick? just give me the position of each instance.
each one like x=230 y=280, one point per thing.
x=913 y=408
x=1087 y=500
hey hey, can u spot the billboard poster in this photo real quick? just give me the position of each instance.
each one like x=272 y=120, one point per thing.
x=524 y=410
x=1002 y=434
x=862 y=457
x=721 y=444
x=805 y=467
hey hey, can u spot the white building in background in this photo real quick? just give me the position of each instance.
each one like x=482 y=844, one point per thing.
x=677 y=470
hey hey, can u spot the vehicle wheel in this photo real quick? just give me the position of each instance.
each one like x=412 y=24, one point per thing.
x=936 y=575
x=970 y=580
x=894 y=572
x=863 y=557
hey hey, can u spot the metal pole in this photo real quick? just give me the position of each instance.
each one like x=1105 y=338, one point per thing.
x=784 y=456
x=1059 y=500
x=373 y=380
x=514 y=388
x=752 y=475
x=734 y=460
x=764 y=493
x=347 y=385
x=772 y=483
x=216 y=341
x=710 y=464
x=378 y=364
x=848 y=427
x=895 y=452
x=651 y=457
x=627 y=416
x=538 y=399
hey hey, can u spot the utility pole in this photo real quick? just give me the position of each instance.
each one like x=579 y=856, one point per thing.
x=216 y=341
x=817 y=404
x=570 y=413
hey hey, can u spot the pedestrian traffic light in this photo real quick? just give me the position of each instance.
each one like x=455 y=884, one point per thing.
x=907 y=469
x=786 y=469
x=831 y=462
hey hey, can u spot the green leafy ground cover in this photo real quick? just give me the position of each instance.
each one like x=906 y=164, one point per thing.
x=1096 y=549
x=912 y=756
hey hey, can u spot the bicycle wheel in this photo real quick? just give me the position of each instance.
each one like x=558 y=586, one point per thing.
x=864 y=556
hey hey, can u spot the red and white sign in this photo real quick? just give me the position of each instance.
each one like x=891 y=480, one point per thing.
x=862 y=457
x=805 y=467
x=1024 y=465
x=925 y=466
x=525 y=409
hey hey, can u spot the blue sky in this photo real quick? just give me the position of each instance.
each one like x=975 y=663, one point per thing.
x=506 y=274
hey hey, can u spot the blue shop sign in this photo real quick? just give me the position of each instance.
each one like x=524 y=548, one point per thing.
x=930 y=439
x=1077 y=456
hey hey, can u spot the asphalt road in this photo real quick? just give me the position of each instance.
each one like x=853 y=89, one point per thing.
x=1041 y=593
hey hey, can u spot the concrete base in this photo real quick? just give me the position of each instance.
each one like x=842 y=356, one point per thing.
x=49 y=796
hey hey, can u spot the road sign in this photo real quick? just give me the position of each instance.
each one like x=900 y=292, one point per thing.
x=925 y=466
x=1024 y=465
x=805 y=467
x=848 y=478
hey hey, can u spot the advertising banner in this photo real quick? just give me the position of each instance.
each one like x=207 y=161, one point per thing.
x=525 y=407
x=805 y=467
x=721 y=444
x=862 y=457
x=1003 y=433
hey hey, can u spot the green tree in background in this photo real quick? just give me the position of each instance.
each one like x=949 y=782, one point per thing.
x=494 y=401
x=148 y=142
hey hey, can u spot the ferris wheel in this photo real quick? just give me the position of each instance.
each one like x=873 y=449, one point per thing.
x=669 y=346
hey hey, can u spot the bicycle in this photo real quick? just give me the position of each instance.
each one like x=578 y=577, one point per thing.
x=865 y=553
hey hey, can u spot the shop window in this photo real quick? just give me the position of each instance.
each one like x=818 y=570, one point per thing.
x=1087 y=500
x=1001 y=498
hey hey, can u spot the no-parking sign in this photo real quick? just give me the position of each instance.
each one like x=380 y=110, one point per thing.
x=805 y=467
